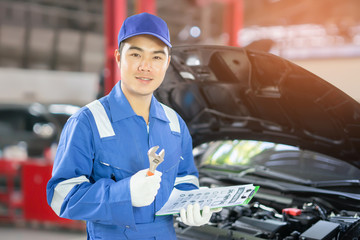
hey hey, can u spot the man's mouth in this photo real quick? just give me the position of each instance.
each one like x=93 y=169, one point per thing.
x=144 y=78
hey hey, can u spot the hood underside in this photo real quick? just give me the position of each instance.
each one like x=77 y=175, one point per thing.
x=236 y=93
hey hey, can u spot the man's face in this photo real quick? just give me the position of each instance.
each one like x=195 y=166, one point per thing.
x=143 y=62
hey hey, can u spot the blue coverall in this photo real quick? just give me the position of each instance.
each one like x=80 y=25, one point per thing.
x=100 y=148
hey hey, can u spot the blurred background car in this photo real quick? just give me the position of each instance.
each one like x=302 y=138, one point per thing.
x=26 y=130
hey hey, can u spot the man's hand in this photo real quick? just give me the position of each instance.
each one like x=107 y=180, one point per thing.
x=143 y=189
x=193 y=217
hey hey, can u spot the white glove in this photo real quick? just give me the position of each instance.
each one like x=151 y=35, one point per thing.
x=143 y=188
x=193 y=217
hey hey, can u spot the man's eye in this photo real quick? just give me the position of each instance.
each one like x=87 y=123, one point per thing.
x=135 y=55
x=157 y=57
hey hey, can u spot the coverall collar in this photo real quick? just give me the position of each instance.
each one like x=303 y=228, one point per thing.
x=120 y=107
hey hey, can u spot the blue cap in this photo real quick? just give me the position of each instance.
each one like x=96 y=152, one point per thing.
x=144 y=23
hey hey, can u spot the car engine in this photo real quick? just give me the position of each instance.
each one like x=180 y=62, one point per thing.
x=271 y=217
x=309 y=222
x=257 y=221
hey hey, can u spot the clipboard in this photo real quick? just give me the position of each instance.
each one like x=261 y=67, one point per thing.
x=213 y=197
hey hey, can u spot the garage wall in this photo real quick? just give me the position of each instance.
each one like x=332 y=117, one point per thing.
x=19 y=86
x=342 y=73
x=24 y=86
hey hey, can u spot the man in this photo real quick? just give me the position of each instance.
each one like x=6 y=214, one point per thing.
x=99 y=173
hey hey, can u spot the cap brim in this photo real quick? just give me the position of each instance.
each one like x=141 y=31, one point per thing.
x=148 y=33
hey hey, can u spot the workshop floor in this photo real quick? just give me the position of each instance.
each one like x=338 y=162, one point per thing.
x=21 y=233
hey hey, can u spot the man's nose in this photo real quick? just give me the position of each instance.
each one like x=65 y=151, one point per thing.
x=145 y=65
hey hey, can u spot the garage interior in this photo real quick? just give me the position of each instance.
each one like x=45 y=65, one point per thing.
x=60 y=52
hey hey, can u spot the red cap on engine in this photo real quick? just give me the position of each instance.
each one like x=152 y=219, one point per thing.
x=292 y=211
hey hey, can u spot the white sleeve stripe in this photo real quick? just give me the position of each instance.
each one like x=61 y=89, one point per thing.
x=101 y=119
x=192 y=179
x=171 y=115
x=62 y=190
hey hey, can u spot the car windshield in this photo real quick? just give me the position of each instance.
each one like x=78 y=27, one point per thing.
x=238 y=155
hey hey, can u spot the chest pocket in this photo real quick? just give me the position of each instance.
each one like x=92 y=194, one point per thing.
x=106 y=130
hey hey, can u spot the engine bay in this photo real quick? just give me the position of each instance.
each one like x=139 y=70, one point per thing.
x=275 y=217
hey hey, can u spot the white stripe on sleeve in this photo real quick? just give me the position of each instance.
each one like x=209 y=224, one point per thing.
x=101 y=119
x=192 y=179
x=171 y=115
x=62 y=190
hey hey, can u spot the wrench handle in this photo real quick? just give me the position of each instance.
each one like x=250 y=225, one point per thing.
x=152 y=168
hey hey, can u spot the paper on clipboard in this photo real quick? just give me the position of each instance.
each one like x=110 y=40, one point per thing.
x=212 y=197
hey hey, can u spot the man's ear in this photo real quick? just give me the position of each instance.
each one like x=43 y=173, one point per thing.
x=117 y=56
x=168 y=62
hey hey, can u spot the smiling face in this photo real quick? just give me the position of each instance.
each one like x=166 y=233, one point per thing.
x=143 y=62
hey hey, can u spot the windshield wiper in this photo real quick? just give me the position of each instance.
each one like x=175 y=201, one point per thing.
x=225 y=167
x=241 y=171
x=266 y=172
x=336 y=183
x=284 y=183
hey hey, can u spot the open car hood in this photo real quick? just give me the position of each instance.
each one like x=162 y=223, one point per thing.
x=236 y=93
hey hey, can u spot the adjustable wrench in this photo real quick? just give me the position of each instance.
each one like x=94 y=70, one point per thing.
x=154 y=159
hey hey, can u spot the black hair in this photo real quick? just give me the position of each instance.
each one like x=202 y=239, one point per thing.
x=121 y=46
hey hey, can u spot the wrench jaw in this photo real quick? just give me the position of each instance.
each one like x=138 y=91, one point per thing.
x=152 y=151
x=161 y=155
x=155 y=159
